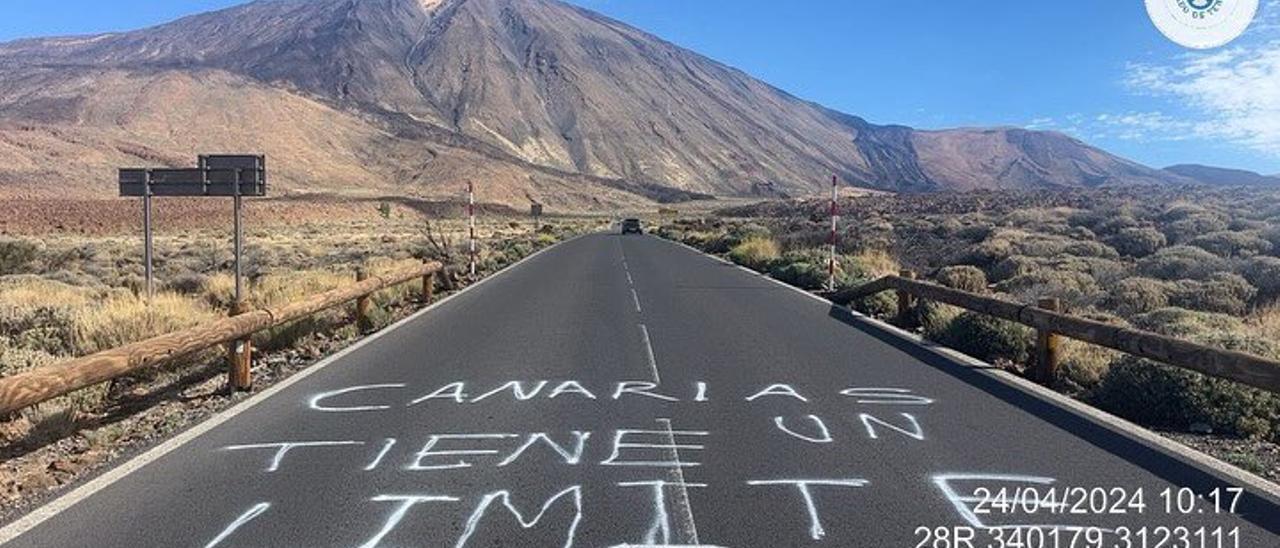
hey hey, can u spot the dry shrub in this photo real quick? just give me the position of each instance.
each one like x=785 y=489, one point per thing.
x=987 y=338
x=16 y=359
x=1264 y=274
x=1184 y=230
x=1222 y=292
x=1182 y=263
x=16 y=254
x=1078 y=289
x=1186 y=324
x=1163 y=396
x=1138 y=296
x=871 y=264
x=807 y=269
x=1012 y=267
x=1272 y=234
x=1083 y=365
x=1265 y=322
x=1138 y=242
x=989 y=252
x=964 y=278
x=190 y=283
x=935 y=318
x=756 y=252
x=1232 y=244
x=1158 y=395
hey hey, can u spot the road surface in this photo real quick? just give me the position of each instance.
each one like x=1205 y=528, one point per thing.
x=628 y=391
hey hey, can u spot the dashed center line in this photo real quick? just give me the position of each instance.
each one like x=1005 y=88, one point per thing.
x=636 y=297
x=648 y=354
x=683 y=508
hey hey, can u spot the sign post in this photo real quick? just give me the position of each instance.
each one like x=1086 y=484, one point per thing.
x=471 y=225
x=146 y=238
x=215 y=175
x=536 y=211
x=835 y=227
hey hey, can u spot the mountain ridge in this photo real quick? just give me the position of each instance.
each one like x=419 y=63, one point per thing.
x=535 y=84
x=1221 y=176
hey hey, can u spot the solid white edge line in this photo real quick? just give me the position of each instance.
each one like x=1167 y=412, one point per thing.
x=1102 y=418
x=54 y=507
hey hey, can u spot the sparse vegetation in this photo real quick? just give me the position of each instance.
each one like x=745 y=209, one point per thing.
x=66 y=295
x=1202 y=265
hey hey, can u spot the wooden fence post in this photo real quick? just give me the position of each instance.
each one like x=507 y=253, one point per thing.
x=240 y=356
x=905 y=301
x=362 y=302
x=1046 y=367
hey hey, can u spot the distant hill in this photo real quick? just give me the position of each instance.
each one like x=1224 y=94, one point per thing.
x=533 y=99
x=1220 y=176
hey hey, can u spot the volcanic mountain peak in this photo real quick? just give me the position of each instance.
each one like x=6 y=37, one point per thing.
x=545 y=85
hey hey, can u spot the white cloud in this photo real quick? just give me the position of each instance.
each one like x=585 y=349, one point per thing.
x=1142 y=126
x=1230 y=95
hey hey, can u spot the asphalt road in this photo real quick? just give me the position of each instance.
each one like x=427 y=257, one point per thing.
x=661 y=398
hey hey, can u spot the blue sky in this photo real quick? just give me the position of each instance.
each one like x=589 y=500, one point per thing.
x=1096 y=69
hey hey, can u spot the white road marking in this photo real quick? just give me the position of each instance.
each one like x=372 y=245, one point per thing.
x=1111 y=422
x=630 y=281
x=636 y=297
x=648 y=354
x=244 y=518
x=56 y=506
x=683 y=510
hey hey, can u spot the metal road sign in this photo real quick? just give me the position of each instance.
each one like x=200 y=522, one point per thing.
x=216 y=176
x=222 y=175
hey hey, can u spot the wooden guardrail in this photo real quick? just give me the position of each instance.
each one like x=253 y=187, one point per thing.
x=1050 y=323
x=48 y=382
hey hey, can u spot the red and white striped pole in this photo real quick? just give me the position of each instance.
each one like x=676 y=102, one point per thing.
x=471 y=224
x=835 y=220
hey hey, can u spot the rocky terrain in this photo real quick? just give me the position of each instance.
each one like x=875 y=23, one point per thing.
x=536 y=100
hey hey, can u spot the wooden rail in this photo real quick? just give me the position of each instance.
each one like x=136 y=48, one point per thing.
x=48 y=382
x=1241 y=367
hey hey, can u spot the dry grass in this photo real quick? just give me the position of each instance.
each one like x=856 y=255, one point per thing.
x=63 y=320
x=877 y=263
x=756 y=252
x=80 y=294
x=1265 y=322
x=1084 y=365
x=129 y=318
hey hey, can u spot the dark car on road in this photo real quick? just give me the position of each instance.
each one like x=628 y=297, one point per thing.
x=632 y=226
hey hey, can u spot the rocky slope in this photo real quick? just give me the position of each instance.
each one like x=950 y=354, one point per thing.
x=1218 y=176
x=537 y=99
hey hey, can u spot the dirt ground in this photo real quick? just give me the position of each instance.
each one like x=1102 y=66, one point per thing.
x=29 y=216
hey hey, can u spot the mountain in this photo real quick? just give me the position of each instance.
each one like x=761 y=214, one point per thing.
x=1220 y=176
x=533 y=99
